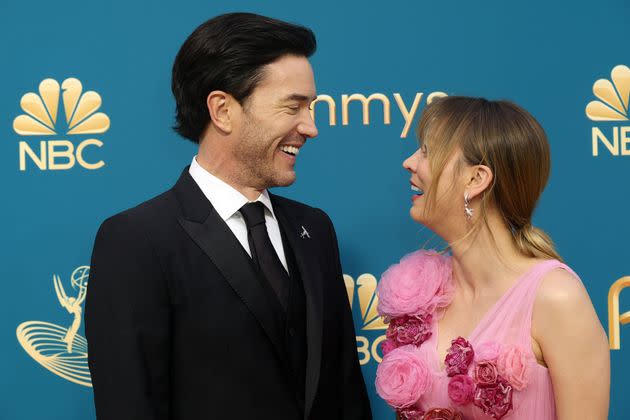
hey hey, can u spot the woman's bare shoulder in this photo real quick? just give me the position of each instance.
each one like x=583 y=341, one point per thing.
x=561 y=288
x=562 y=305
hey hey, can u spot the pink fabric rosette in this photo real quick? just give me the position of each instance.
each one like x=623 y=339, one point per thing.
x=419 y=284
x=458 y=357
x=414 y=329
x=486 y=373
x=402 y=377
x=442 y=414
x=513 y=365
x=496 y=399
x=461 y=389
x=387 y=346
x=412 y=413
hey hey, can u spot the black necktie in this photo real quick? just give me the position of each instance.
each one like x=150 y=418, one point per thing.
x=263 y=252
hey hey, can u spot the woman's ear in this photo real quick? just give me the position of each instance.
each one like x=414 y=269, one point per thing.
x=220 y=108
x=480 y=178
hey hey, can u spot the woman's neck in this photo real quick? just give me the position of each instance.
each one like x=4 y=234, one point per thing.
x=487 y=260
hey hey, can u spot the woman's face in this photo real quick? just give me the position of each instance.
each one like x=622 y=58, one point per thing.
x=447 y=210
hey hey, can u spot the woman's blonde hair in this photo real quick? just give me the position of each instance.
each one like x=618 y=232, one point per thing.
x=507 y=139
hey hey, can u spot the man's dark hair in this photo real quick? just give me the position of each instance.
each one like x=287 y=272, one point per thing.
x=228 y=53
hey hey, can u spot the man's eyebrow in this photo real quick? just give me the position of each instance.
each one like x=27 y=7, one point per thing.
x=300 y=98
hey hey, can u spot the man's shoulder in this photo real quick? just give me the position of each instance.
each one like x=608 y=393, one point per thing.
x=298 y=208
x=152 y=212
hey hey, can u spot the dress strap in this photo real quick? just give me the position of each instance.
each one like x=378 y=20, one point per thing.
x=510 y=320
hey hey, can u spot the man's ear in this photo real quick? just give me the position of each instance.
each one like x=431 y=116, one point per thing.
x=221 y=110
x=480 y=179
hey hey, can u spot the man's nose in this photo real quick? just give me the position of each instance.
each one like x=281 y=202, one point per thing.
x=307 y=127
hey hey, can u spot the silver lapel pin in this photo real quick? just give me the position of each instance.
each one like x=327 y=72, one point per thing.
x=304 y=233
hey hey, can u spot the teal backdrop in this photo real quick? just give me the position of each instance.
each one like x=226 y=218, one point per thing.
x=546 y=56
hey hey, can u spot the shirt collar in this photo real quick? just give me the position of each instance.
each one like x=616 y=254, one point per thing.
x=225 y=199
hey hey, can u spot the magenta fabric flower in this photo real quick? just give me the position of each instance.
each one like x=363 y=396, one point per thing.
x=486 y=373
x=402 y=377
x=412 y=413
x=458 y=357
x=488 y=350
x=495 y=400
x=442 y=414
x=387 y=346
x=513 y=365
x=414 y=329
x=461 y=389
x=420 y=283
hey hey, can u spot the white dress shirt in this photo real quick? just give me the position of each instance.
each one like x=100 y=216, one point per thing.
x=227 y=201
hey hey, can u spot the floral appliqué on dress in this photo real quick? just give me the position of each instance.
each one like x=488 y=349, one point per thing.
x=411 y=294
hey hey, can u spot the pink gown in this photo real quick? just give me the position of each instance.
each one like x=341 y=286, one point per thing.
x=508 y=322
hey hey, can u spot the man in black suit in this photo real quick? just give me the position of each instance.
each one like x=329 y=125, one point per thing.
x=216 y=299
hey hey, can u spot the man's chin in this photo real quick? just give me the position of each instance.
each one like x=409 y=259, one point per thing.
x=285 y=179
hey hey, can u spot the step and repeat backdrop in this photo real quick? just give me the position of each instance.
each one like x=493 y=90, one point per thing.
x=86 y=115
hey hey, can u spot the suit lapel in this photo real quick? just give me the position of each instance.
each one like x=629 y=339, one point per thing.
x=206 y=228
x=304 y=249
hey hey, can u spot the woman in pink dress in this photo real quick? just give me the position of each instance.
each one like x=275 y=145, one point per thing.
x=501 y=328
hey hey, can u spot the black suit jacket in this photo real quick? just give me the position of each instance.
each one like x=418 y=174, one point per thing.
x=180 y=327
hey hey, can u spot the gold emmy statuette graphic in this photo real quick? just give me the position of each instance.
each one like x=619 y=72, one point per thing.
x=41 y=118
x=365 y=288
x=614 y=318
x=61 y=350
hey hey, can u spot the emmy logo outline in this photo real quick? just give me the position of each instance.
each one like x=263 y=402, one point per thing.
x=63 y=351
x=615 y=319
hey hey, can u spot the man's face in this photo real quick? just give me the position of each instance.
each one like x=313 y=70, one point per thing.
x=275 y=123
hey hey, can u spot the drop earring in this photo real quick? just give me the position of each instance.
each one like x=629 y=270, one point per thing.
x=468 y=211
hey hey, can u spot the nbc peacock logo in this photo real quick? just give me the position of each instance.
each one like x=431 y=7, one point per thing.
x=371 y=323
x=61 y=350
x=610 y=109
x=41 y=119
